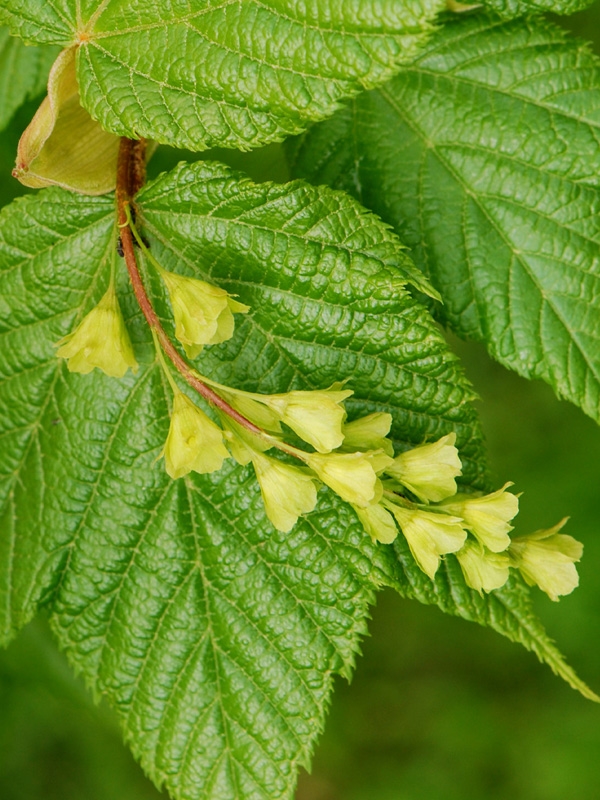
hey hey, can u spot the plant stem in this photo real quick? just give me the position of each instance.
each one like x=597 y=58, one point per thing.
x=130 y=178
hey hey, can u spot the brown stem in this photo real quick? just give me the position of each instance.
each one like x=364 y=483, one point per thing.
x=130 y=178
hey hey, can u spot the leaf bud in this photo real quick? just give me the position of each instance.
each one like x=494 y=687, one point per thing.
x=100 y=340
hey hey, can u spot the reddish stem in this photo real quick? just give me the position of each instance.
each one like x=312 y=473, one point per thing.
x=130 y=178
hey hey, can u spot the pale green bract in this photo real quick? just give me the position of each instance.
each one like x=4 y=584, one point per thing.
x=23 y=73
x=220 y=72
x=485 y=156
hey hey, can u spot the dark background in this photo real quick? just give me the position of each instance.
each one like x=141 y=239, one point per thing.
x=438 y=709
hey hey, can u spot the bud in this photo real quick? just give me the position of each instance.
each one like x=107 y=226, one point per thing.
x=194 y=442
x=287 y=491
x=100 y=340
x=377 y=522
x=63 y=145
x=203 y=312
x=316 y=416
x=483 y=570
x=487 y=516
x=352 y=476
x=547 y=558
x=369 y=433
x=429 y=470
x=429 y=535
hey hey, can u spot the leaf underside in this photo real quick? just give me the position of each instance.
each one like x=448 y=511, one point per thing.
x=214 y=636
x=23 y=73
x=484 y=155
x=197 y=74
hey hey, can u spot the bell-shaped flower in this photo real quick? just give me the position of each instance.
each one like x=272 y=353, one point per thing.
x=353 y=476
x=429 y=470
x=316 y=416
x=483 y=570
x=203 y=313
x=100 y=340
x=377 y=522
x=194 y=442
x=369 y=433
x=63 y=145
x=287 y=491
x=487 y=516
x=429 y=535
x=547 y=558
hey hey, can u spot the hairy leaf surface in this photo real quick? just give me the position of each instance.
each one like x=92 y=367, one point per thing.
x=212 y=73
x=214 y=636
x=23 y=73
x=485 y=156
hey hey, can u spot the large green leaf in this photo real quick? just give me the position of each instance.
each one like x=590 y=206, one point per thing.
x=485 y=156
x=207 y=73
x=23 y=73
x=518 y=8
x=214 y=636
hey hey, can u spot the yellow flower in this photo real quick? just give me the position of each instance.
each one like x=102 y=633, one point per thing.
x=100 y=340
x=487 y=516
x=429 y=470
x=369 y=433
x=287 y=491
x=483 y=570
x=547 y=558
x=203 y=313
x=194 y=442
x=316 y=416
x=429 y=535
x=353 y=476
x=377 y=522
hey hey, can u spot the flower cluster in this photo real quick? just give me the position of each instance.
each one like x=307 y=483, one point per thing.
x=414 y=492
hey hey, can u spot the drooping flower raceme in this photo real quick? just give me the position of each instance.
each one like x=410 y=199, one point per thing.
x=203 y=313
x=100 y=340
x=194 y=442
x=429 y=470
x=547 y=558
x=353 y=476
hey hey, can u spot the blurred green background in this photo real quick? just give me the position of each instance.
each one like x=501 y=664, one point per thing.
x=438 y=709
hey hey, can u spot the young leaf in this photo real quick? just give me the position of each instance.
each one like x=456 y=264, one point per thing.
x=197 y=74
x=484 y=154
x=214 y=636
x=23 y=73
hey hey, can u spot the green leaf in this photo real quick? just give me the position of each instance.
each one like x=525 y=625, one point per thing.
x=202 y=74
x=214 y=636
x=508 y=611
x=23 y=73
x=485 y=156
x=519 y=8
